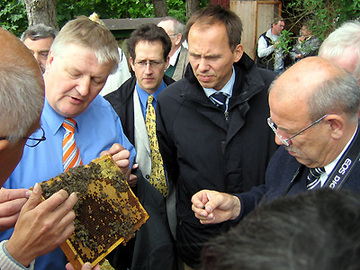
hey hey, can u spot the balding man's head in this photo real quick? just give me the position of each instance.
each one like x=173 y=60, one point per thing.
x=318 y=85
x=313 y=108
x=21 y=87
x=21 y=100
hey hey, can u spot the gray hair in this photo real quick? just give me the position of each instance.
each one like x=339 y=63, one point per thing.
x=87 y=33
x=178 y=26
x=21 y=99
x=346 y=36
x=339 y=94
x=316 y=230
x=38 y=31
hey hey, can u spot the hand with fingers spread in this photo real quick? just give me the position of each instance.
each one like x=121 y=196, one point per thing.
x=212 y=207
x=42 y=225
x=11 y=202
x=121 y=157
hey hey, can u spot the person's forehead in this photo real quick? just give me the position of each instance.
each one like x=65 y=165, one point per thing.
x=168 y=26
x=147 y=50
x=208 y=40
x=39 y=43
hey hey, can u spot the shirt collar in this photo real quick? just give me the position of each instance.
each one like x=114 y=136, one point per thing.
x=330 y=167
x=227 y=89
x=174 y=57
x=143 y=95
x=53 y=119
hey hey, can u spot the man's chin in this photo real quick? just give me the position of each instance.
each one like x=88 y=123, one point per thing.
x=71 y=111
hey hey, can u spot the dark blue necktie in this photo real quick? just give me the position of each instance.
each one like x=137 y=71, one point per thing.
x=313 y=178
x=219 y=99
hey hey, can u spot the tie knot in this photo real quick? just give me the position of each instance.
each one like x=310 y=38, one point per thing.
x=316 y=172
x=69 y=124
x=219 y=99
x=150 y=99
x=219 y=96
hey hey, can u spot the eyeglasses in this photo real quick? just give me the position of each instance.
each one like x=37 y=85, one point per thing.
x=285 y=141
x=152 y=63
x=30 y=142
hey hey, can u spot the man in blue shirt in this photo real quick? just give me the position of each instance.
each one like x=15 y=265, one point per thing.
x=78 y=65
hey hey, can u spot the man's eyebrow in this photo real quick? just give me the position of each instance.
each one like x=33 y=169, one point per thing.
x=205 y=56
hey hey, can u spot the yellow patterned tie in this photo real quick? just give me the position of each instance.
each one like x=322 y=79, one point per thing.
x=157 y=178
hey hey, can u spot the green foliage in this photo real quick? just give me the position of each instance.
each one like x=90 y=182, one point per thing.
x=109 y=9
x=176 y=9
x=13 y=16
x=323 y=15
x=285 y=41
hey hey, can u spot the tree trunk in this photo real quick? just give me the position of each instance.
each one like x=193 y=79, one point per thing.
x=191 y=7
x=41 y=11
x=160 y=8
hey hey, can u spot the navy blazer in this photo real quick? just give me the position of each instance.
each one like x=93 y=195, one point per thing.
x=280 y=171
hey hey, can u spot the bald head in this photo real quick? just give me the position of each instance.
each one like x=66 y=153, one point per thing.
x=318 y=86
x=302 y=79
x=21 y=100
x=314 y=105
x=13 y=49
x=21 y=87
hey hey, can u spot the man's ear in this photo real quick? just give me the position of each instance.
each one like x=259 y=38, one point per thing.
x=167 y=62
x=49 y=60
x=178 y=39
x=337 y=125
x=238 y=52
x=4 y=144
x=131 y=61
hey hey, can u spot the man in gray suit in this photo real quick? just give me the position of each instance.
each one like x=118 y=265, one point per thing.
x=148 y=47
x=178 y=53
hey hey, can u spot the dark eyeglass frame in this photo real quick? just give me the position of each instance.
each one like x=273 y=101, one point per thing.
x=151 y=63
x=36 y=140
x=285 y=141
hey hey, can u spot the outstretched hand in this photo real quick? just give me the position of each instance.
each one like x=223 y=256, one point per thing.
x=212 y=207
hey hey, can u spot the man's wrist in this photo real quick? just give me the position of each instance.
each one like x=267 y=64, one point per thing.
x=236 y=207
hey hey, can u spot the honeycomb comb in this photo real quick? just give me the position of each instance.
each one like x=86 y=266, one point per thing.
x=107 y=212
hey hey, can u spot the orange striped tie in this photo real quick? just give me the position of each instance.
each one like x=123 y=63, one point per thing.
x=71 y=153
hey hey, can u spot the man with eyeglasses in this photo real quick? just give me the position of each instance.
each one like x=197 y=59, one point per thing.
x=148 y=48
x=40 y=226
x=80 y=59
x=178 y=53
x=38 y=38
x=314 y=116
x=269 y=54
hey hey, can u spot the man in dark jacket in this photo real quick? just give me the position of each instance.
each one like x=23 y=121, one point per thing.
x=148 y=47
x=206 y=141
x=315 y=118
